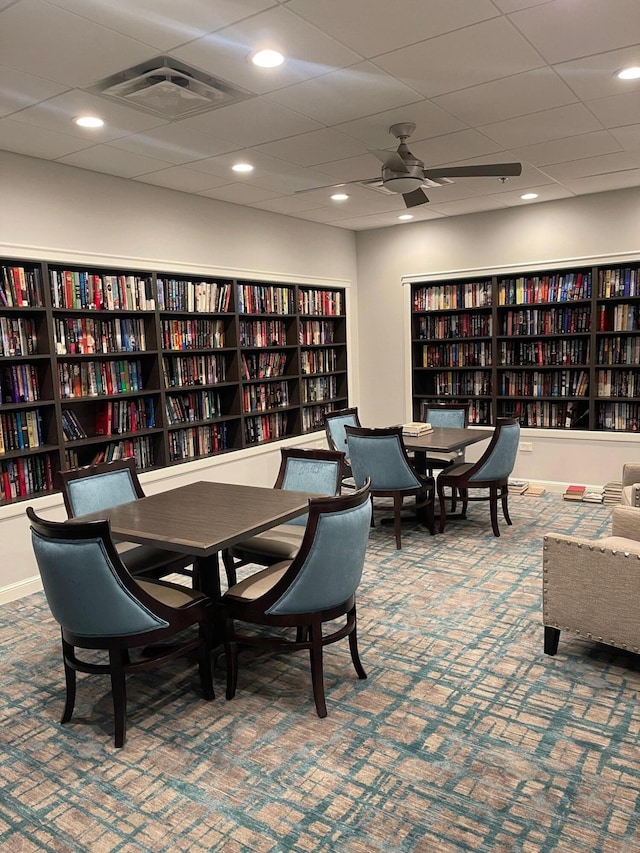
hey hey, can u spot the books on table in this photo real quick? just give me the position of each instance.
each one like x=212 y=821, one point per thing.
x=574 y=493
x=416 y=428
x=518 y=487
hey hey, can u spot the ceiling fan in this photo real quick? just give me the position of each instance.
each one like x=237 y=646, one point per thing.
x=404 y=174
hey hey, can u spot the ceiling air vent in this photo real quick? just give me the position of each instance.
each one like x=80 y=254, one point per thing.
x=169 y=88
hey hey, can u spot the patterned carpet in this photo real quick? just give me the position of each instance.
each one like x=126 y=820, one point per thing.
x=465 y=737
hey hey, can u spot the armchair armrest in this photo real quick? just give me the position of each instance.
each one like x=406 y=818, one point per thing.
x=630 y=473
x=625 y=522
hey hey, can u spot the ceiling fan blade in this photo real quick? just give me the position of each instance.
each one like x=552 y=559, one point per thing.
x=488 y=170
x=413 y=199
x=390 y=159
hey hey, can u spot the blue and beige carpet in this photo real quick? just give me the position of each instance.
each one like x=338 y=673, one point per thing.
x=465 y=737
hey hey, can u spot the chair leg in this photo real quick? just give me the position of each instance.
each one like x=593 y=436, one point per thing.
x=317 y=676
x=229 y=568
x=443 y=507
x=505 y=506
x=493 y=507
x=70 y=679
x=397 y=519
x=231 y=653
x=302 y=632
x=353 y=645
x=551 y=638
x=204 y=659
x=119 y=693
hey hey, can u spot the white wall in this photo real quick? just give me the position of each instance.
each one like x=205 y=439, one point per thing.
x=605 y=224
x=55 y=212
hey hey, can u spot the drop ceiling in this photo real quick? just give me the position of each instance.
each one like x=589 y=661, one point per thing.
x=484 y=81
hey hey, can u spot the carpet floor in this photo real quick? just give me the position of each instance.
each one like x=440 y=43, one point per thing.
x=464 y=737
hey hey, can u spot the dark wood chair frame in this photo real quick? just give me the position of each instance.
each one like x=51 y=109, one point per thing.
x=498 y=489
x=199 y=611
x=424 y=494
x=308 y=626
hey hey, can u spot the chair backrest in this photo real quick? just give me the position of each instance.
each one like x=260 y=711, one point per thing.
x=100 y=486
x=447 y=414
x=88 y=590
x=334 y=424
x=498 y=460
x=380 y=455
x=328 y=567
x=315 y=470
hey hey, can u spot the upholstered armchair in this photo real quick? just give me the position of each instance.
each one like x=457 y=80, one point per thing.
x=99 y=605
x=452 y=415
x=591 y=588
x=631 y=484
x=334 y=425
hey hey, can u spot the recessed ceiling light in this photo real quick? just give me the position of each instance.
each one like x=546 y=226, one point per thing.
x=88 y=121
x=242 y=167
x=405 y=216
x=529 y=196
x=267 y=58
x=339 y=197
x=631 y=73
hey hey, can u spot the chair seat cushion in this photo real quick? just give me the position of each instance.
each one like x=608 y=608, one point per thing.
x=618 y=543
x=171 y=594
x=282 y=542
x=259 y=583
x=458 y=470
x=147 y=560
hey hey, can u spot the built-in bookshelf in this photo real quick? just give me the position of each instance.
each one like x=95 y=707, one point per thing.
x=557 y=349
x=96 y=364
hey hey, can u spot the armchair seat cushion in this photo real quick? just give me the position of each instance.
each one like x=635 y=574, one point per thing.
x=631 y=495
x=259 y=583
x=172 y=594
x=282 y=541
x=145 y=559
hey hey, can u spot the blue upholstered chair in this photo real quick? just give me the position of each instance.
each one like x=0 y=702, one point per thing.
x=334 y=425
x=97 y=487
x=317 y=586
x=100 y=605
x=380 y=455
x=316 y=471
x=452 y=415
x=490 y=472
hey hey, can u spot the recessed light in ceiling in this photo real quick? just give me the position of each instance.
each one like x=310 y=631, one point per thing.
x=267 y=58
x=339 y=197
x=631 y=73
x=242 y=167
x=529 y=196
x=88 y=121
x=405 y=216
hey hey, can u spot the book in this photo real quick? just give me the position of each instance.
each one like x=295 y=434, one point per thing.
x=416 y=428
x=534 y=491
x=574 y=493
x=518 y=487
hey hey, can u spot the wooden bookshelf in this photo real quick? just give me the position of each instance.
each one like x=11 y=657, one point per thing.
x=99 y=363
x=558 y=349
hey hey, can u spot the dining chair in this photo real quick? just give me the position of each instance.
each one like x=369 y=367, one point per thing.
x=314 y=470
x=318 y=586
x=380 y=456
x=106 y=484
x=452 y=415
x=99 y=605
x=491 y=472
x=334 y=425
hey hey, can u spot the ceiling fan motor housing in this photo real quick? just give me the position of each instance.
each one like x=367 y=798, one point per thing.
x=403 y=182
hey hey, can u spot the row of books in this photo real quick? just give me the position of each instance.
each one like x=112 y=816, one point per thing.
x=618 y=281
x=560 y=287
x=448 y=326
x=72 y=429
x=202 y=297
x=618 y=383
x=544 y=413
x=325 y=302
x=20 y=430
x=26 y=476
x=265 y=396
x=89 y=335
x=96 y=378
x=265 y=427
x=524 y=487
x=313 y=416
x=18 y=336
x=618 y=416
x=479 y=410
x=19 y=383
x=319 y=389
x=72 y=289
x=317 y=333
x=197 y=441
x=459 y=354
x=188 y=334
x=262 y=333
x=20 y=287
x=620 y=318
x=563 y=351
x=549 y=321
x=318 y=361
x=537 y=383
x=472 y=382
x=619 y=350
x=265 y=299
x=262 y=365
x=193 y=406
x=442 y=297
x=593 y=494
x=612 y=492
x=194 y=370
x=116 y=417
x=139 y=448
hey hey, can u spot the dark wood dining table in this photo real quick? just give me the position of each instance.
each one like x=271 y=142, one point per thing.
x=443 y=440
x=201 y=519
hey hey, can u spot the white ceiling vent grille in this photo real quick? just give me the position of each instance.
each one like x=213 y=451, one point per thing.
x=169 y=88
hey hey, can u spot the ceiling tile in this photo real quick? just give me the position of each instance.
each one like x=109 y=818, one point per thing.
x=311 y=149
x=594 y=77
x=489 y=50
x=346 y=94
x=286 y=204
x=47 y=144
x=19 y=90
x=604 y=183
x=267 y=169
x=181 y=178
x=617 y=110
x=513 y=5
x=469 y=205
x=563 y=30
x=112 y=161
x=238 y=193
x=620 y=162
x=628 y=137
x=571 y=148
x=165 y=23
x=453 y=147
x=371 y=27
x=384 y=220
x=549 y=192
x=173 y=143
x=308 y=52
x=509 y=97
x=46 y=41
x=571 y=120
x=428 y=118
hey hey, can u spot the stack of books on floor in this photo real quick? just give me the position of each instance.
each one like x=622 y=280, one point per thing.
x=534 y=491
x=612 y=492
x=574 y=493
x=518 y=487
x=416 y=428
x=593 y=495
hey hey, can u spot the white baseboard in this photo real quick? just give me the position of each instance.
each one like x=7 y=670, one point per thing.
x=20 y=589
